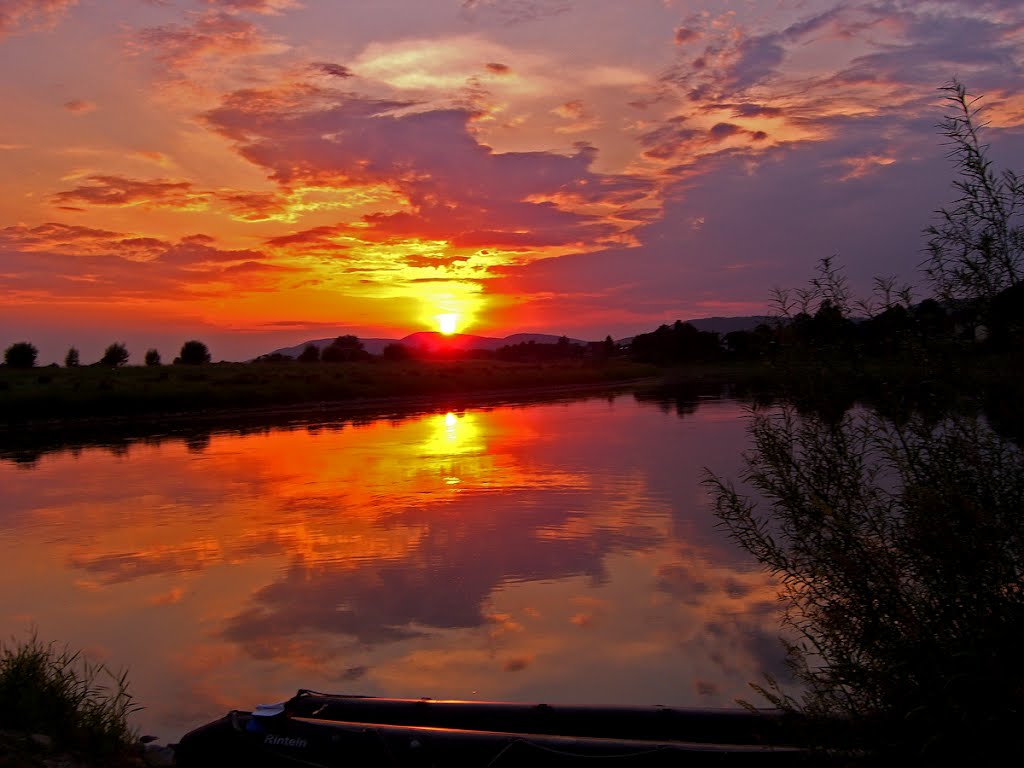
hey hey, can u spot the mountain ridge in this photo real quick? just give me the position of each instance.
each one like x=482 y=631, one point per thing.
x=432 y=340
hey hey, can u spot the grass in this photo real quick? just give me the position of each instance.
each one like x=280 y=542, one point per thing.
x=51 y=393
x=83 y=708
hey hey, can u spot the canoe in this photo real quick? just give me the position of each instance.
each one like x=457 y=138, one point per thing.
x=318 y=729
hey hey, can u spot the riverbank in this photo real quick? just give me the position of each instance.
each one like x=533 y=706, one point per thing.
x=60 y=710
x=36 y=750
x=164 y=399
x=110 y=395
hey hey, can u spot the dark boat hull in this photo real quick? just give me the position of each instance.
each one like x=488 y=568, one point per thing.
x=326 y=730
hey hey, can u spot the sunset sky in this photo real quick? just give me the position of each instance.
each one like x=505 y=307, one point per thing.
x=255 y=173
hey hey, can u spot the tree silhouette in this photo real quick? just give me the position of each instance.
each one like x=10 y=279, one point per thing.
x=310 y=354
x=21 y=354
x=396 y=352
x=977 y=248
x=152 y=357
x=115 y=355
x=899 y=549
x=344 y=349
x=193 y=353
x=71 y=359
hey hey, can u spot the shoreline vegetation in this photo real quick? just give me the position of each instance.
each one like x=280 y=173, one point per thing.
x=60 y=709
x=160 y=396
x=168 y=396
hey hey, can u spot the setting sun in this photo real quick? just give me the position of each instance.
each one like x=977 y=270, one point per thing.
x=447 y=323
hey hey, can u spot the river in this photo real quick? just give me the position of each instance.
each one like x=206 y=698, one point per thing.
x=563 y=552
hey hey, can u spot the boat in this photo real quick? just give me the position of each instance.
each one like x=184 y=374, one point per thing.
x=321 y=729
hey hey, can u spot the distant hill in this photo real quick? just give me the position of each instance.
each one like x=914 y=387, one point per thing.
x=431 y=340
x=726 y=325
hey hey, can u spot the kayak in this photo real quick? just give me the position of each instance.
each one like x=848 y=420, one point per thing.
x=319 y=729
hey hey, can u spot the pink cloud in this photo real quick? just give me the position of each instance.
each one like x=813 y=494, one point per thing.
x=211 y=33
x=515 y=11
x=16 y=15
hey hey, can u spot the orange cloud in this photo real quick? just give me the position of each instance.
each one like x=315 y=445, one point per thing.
x=79 y=106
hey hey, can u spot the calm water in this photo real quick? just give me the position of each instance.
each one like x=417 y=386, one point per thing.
x=558 y=552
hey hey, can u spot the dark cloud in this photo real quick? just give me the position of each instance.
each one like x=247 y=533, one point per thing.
x=253 y=206
x=497 y=68
x=334 y=70
x=458 y=189
x=121 y=567
x=685 y=35
x=747 y=109
x=122 y=191
x=668 y=139
x=445 y=582
x=721 y=131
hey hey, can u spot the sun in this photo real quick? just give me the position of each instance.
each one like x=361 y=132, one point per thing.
x=447 y=323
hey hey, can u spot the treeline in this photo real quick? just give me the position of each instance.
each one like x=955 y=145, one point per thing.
x=820 y=325
x=350 y=349
x=23 y=354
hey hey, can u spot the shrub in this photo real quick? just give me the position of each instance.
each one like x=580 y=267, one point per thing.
x=152 y=357
x=20 y=355
x=193 y=353
x=900 y=554
x=115 y=355
x=310 y=354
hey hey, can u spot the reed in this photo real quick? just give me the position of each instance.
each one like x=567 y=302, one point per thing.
x=83 y=707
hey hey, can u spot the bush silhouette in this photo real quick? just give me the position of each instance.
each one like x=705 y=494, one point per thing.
x=193 y=353
x=20 y=355
x=115 y=355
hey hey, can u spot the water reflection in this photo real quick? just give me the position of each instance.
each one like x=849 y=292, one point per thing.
x=560 y=552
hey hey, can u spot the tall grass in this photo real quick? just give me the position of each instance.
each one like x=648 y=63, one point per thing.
x=48 y=689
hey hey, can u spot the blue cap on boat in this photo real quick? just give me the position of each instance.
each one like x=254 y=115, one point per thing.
x=268 y=710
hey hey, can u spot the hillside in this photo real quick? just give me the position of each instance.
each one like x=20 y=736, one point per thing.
x=432 y=340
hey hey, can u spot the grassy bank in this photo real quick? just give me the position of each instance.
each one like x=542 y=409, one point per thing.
x=54 y=704
x=43 y=394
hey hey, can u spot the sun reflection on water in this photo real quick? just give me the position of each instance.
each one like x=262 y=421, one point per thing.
x=550 y=552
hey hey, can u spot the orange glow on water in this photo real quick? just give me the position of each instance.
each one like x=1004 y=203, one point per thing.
x=501 y=553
